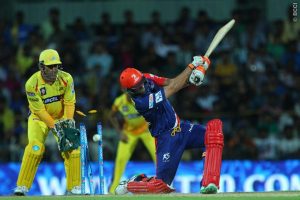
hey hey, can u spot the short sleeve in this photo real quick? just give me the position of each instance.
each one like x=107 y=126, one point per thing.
x=35 y=101
x=157 y=79
x=69 y=96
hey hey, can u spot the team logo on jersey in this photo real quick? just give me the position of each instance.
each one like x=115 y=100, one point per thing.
x=125 y=108
x=166 y=157
x=43 y=91
x=150 y=101
x=33 y=99
x=192 y=125
x=32 y=94
x=158 y=97
x=52 y=99
x=133 y=116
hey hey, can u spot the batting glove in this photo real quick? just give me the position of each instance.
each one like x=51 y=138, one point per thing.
x=197 y=76
x=201 y=61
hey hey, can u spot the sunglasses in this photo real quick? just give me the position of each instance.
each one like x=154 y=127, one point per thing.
x=53 y=66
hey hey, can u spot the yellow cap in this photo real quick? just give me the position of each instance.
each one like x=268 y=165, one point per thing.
x=49 y=57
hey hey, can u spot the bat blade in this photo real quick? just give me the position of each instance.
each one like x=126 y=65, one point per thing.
x=219 y=36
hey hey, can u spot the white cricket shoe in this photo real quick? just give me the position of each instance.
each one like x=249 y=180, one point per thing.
x=121 y=188
x=76 y=190
x=20 y=191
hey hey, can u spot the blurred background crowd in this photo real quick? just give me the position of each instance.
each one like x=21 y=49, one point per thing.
x=253 y=83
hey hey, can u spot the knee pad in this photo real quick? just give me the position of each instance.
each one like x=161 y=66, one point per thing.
x=214 y=133
x=31 y=159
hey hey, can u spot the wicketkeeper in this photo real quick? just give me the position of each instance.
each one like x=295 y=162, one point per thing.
x=150 y=94
x=51 y=96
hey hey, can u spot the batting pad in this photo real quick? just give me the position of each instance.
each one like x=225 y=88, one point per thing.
x=31 y=159
x=214 y=142
x=72 y=168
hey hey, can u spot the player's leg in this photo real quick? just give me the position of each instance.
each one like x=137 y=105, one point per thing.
x=149 y=143
x=169 y=150
x=72 y=169
x=37 y=133
x=211 y=138
x=214 y=142
x=124 y=153
x=141 y=184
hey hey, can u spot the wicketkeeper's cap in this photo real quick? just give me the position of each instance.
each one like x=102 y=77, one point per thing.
x=49 y=57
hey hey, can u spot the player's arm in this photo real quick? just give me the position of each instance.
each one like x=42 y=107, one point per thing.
x=116 y=120
x=193 y=73
x=69 y=98
x=161 y=81
x=37 y=106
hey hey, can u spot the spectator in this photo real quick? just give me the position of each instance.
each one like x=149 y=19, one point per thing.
x=100 y=57
x=253 y=85
x=20 y=31
x=266 y=145
x=289 y=145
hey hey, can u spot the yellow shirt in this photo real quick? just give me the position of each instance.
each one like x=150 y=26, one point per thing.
x=52 y=98
x=133 y=122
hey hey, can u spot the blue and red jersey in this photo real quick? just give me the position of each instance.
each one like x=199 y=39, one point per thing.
x=155 y=107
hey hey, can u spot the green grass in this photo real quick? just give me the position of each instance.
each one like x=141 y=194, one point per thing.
x=222 y=196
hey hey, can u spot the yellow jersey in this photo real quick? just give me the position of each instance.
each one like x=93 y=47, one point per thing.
x=52 y=98
x=134 y=123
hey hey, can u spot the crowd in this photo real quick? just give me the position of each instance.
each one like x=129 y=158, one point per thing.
x=253 y=83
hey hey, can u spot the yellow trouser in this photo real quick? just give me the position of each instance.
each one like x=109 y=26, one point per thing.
x=125 y=151
x=37 y=134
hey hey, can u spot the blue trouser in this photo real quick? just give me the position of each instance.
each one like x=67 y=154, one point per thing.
x=169 y=149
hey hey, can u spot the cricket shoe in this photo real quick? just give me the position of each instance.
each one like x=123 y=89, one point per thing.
x=210 y=189
x=121 y=189
x=76 y=190
x=20 y=191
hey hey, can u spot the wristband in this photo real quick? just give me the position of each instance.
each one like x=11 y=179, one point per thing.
x=201 y=68
x=191 y=66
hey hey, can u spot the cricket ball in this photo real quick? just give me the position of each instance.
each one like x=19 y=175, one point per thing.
x=96 y=138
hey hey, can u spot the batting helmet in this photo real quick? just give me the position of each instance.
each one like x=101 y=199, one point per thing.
x=130 y=77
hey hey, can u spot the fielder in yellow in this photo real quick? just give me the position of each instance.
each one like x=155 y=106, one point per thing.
x=51 y=97
x=132 y=127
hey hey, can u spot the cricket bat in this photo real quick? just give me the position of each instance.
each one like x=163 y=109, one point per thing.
x=219 y=36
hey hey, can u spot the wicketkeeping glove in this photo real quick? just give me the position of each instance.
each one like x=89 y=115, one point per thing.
x=68 y=135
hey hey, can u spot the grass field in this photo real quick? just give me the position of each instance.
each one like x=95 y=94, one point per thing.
x=222 y=196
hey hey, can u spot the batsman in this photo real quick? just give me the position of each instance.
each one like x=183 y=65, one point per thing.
x=173 y=135
x=51 y=97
